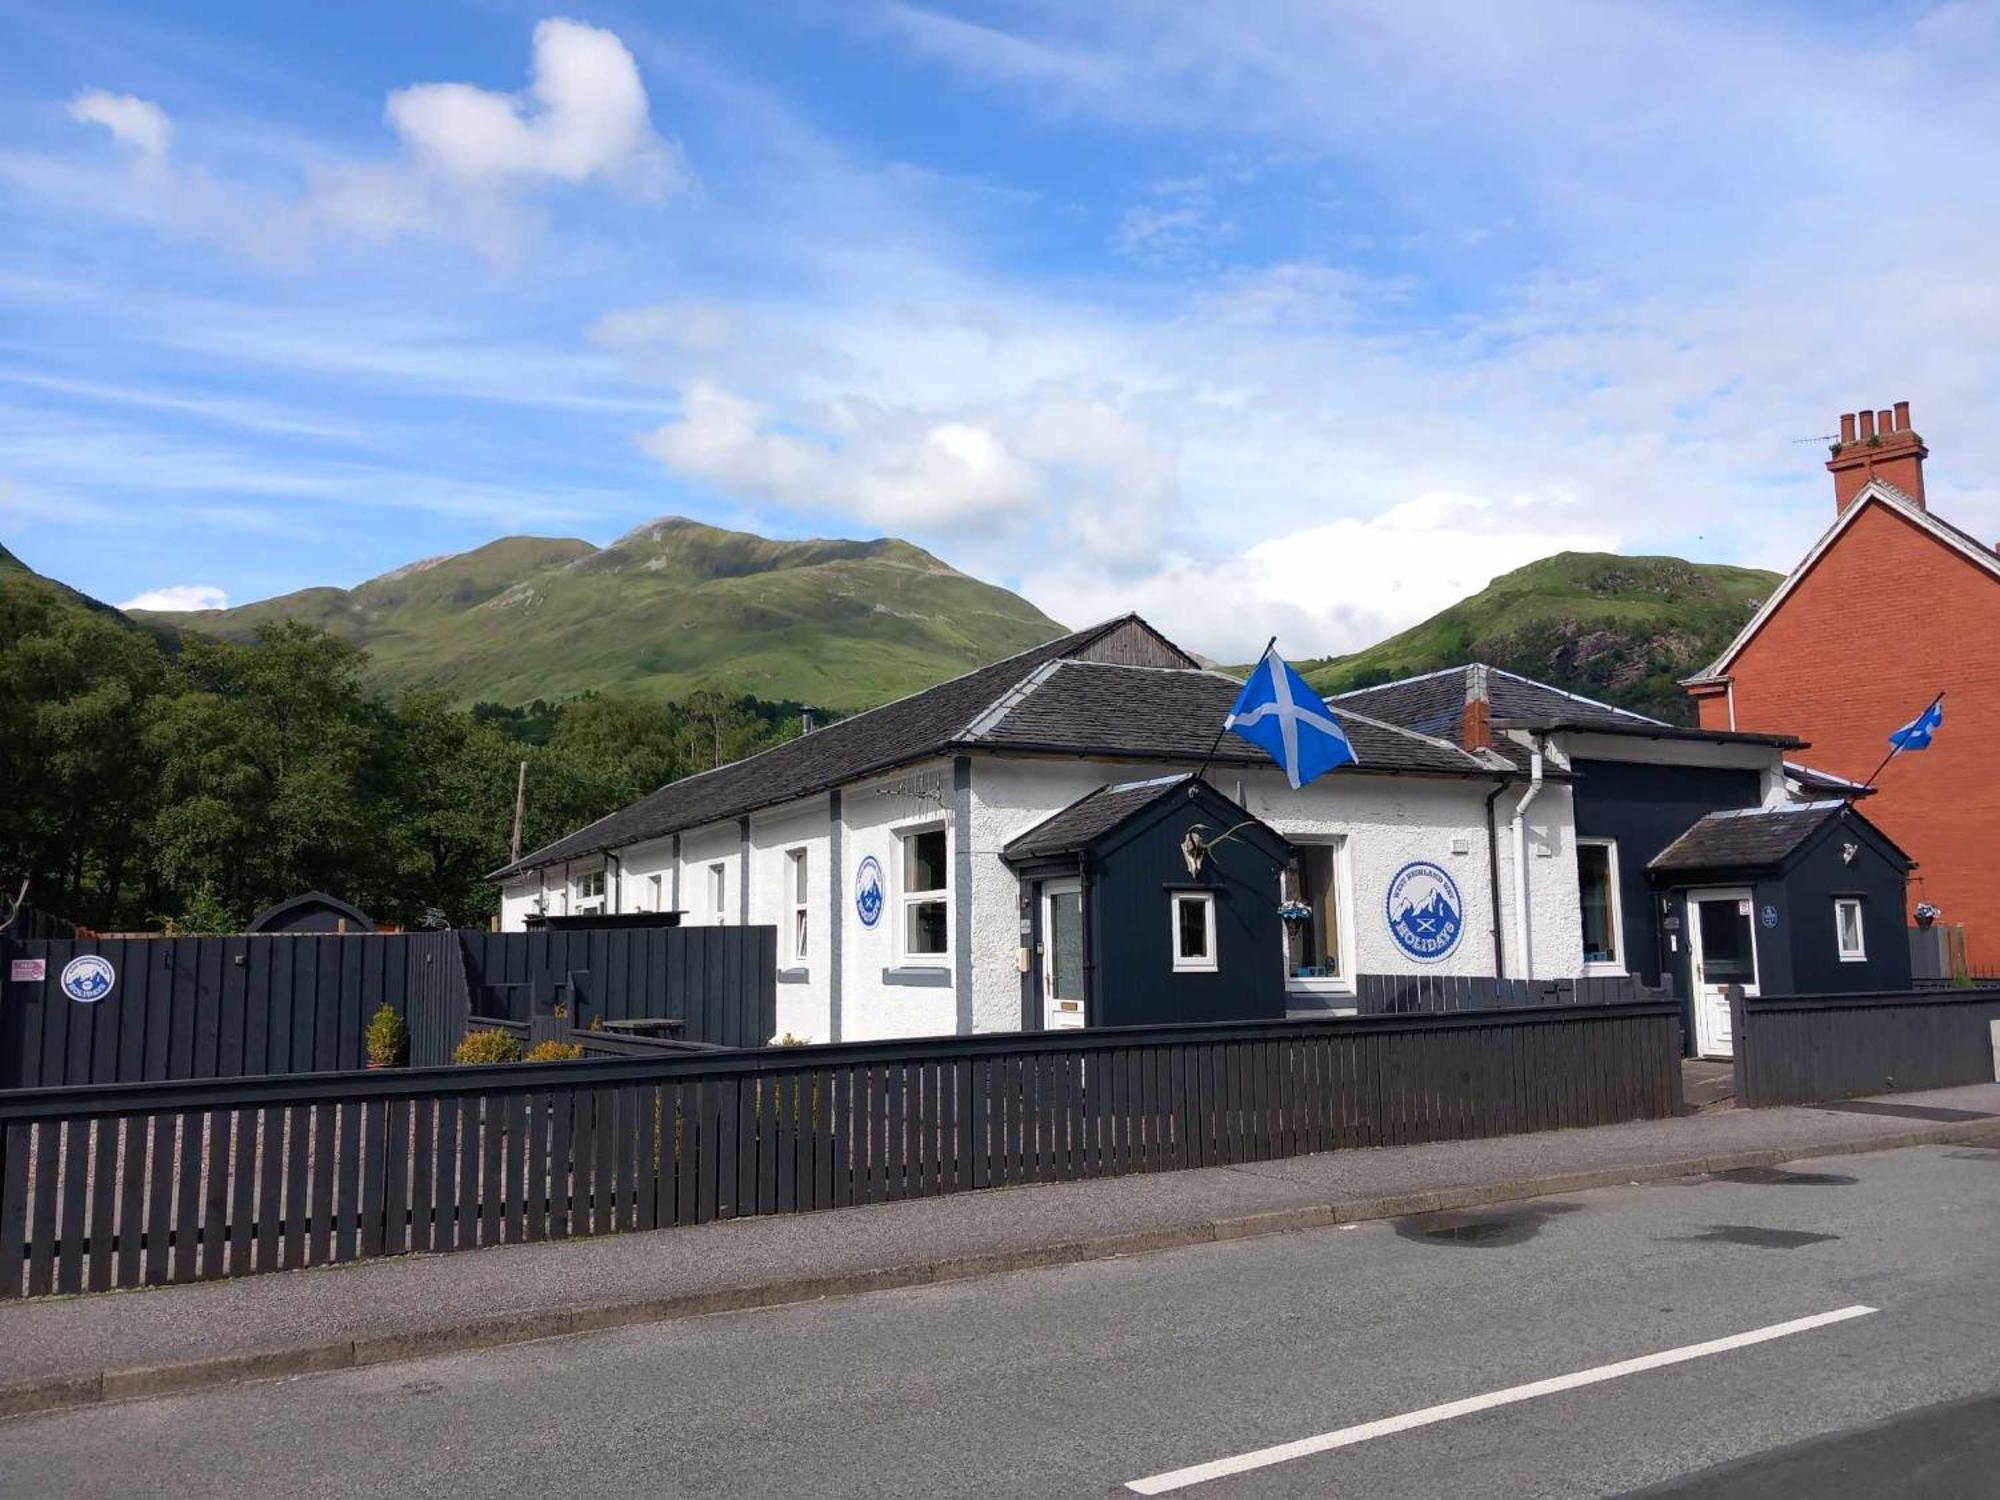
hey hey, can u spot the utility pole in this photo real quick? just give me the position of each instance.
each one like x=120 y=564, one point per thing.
x=520 y=801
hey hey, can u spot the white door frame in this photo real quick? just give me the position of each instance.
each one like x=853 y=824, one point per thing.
x=1052 y=1019
x=1710 y=1004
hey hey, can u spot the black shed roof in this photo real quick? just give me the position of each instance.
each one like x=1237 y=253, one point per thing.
x=1118 y=690
x=1758 y=837
x=1091 y=817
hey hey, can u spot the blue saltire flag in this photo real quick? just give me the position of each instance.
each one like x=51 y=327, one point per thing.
x=1277 y=711
x=1916 y=735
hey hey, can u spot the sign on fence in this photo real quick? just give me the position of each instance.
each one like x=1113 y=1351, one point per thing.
x=28 y=970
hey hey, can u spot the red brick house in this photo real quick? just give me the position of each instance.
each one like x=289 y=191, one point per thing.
x=1891 y=606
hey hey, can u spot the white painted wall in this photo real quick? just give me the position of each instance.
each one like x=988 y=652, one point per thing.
x=803 y=1006
x=718 y=843
x=635 y=868
x=874 y=815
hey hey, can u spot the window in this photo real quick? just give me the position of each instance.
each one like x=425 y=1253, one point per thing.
x=1847 y=928
x=718 y=892
x=1313 y=941
x=926 y=895
x=654 y=888
x=1194 y=933
x=795 y=893
x=1597 y=889
x=590 y=892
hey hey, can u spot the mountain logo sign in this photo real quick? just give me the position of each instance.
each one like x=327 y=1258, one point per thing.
x=868 y=891
x=87 y=978
x=1424 y=911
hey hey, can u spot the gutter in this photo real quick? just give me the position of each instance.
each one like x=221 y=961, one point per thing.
x=1493 y=874
x=1523 y=949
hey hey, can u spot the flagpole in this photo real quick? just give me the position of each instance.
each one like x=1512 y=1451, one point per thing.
x=1898 y=750
x=1217 y=741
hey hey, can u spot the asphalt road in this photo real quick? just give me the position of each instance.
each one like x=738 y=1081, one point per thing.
x=1081 y=1379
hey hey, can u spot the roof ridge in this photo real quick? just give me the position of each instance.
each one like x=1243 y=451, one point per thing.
x=1375 y=687
x=1414 y=734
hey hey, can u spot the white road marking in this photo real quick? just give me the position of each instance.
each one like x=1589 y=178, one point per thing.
x=1346 y=1437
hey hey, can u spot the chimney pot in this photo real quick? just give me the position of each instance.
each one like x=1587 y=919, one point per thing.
x=1885 y=422
x=1875 y=445
x=1846 y=428
x=1902 y=416
x=1867 y=426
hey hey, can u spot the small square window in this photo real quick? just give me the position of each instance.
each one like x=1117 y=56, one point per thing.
x=1848 y=930
x=1194 y=933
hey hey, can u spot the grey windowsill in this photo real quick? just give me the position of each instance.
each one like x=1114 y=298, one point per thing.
x=795 y=976
x=935 y=977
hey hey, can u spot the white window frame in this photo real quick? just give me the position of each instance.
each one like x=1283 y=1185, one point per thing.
x=584 y=900
x=1615 y=965
x=1859 y=954
x=718 y=891
x=1343 y=892
x=1207 y=963
x=907 y=898
x=798 y=902
x=656 y=886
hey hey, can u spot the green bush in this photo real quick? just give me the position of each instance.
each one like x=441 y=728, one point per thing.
x=554 y=1052
x=388 y=1038
x=490 y=1046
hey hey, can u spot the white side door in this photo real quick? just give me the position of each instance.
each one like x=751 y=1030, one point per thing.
x=1062 y=955
x=1722 y=950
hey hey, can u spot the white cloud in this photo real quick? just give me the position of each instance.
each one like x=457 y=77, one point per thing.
x=469 y=159
x=1324 y=589
x=585 y=116
x=138 y=123
x=179 y=596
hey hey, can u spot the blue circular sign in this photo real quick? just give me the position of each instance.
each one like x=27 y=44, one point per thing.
x=868 y=891
x=1425 y=915
x=1770 y=915
x=88 y=978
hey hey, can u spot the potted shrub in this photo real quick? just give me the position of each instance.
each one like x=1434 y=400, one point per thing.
x=553 y=1051
x=388 y=1038
x=489 y=1046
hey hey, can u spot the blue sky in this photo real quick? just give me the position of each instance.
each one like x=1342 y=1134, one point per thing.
x=1275 y=316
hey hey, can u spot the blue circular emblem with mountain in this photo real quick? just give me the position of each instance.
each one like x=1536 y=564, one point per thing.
x=1425 y=916
x=868 y=891
x=88 y=978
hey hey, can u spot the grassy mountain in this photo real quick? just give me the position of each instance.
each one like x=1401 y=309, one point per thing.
x=667 y=608
x=1622 y=629
x=17 y=578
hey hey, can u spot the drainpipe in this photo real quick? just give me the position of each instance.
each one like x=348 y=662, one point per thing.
x=1524 y=952
x=1493 y=877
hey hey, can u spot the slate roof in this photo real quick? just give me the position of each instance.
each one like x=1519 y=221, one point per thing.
x=1042 y=701
x=1434 y=703
x=1746 y=838
x=1079 y=825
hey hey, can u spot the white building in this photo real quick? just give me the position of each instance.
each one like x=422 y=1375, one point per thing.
x=874 y=844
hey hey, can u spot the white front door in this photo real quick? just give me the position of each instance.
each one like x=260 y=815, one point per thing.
x=1722 y=950
x=1062 y=954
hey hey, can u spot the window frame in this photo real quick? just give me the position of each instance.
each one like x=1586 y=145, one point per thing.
x=718 y=891
x=585 y=901
x=798 y=901
x=656 y=887
x=1209 y=962
x=1615 y=966
x=1858 y=954
x=906 y=898
x=1343 y=892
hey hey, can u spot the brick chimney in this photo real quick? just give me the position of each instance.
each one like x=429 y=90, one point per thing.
x=1877 y=445
x=1475 y=723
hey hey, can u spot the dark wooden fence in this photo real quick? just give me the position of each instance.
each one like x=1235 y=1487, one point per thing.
x=1432 y=994
x=1801 y=1049
x=33 y=922
x=720 y=982
x=222 y=1007
x=231 y=1007
x=144 y=1184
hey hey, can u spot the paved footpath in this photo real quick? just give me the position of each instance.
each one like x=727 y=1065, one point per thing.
x=82 y=1350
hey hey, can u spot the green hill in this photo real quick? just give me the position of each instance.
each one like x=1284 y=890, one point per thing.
x=1623 y=629
x=665 y=609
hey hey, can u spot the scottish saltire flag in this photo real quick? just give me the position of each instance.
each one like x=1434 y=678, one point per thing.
x=1277 y=711
x=1916 y=735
